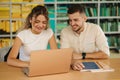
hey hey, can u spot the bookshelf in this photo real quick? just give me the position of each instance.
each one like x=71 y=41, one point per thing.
x=106 y=13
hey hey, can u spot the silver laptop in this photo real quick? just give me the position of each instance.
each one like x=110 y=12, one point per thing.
x=53 y=61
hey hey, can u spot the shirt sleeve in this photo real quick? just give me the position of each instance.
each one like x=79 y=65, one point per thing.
x=21 y=35
x=101 y=41
x=64 y=42
x=50 y=32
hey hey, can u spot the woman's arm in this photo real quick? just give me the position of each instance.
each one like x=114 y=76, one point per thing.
x=52 y=42
x=12 y=57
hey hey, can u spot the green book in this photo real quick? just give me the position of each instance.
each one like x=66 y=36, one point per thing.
x=113 y=10
x=106 y=25
x=109 y=26
x=86 y=11
x=91 y=11
x=108 y=40
x=102 y=10
x=118 y=26
x=107 y=12
x=95 y=11
x=119 y=10
x=118 y=41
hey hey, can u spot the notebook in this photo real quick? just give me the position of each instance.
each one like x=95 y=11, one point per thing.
x=90 y=66
x=53 y=61
x=96 y=67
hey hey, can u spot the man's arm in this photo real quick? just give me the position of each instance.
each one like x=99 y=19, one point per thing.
x=94 y=55
x=97 y=55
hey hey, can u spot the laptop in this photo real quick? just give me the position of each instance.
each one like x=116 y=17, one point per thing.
x=44 y=62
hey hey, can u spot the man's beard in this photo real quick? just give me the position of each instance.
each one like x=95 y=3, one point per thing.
x=77 y=29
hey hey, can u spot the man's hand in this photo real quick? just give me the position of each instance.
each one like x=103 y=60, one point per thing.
x=77 y=66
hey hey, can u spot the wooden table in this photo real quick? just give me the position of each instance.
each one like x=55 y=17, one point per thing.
x=13 y=73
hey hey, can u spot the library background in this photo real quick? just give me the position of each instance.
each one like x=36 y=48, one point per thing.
x=105 y=13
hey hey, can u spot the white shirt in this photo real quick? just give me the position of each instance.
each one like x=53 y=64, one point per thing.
x=92 y=39
x=33 y=42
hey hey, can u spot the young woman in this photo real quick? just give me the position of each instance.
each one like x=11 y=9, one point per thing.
x=35 y=35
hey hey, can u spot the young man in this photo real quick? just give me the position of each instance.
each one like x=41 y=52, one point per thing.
x=87 y=39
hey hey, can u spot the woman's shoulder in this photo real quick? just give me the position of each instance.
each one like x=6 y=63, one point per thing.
x=49 y=30
x=24 y=31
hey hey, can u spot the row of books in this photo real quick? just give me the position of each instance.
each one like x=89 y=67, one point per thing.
x=22 y=0
x=107 y=9
x=106 y=25
x=114 y=41
x=5 y=26
x=17 y=10
x=110 y=9
x=110 y=25
x=4 y=11
x=91 y=10
x=77 y=0
x=49 y=0
x=51 y=10
x=109 y=0
x=5 y=42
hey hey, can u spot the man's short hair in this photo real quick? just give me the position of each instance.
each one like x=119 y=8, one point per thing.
x=76 y=8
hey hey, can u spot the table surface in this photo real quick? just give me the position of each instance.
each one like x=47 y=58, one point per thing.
x=14 y=73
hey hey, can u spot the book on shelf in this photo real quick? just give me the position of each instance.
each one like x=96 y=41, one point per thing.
x=113 y=41
x=119 y=26
x=95 y=11
x=119 y=9
x=109 y=25
x=96 y=67
x=48 y=0
x=4 y=11
x=37 y=1
x=86 y=11
x=4 y=42
x=109 y=9
x=17 y=0
x=4 y=0
x=5 y=26
x=90 y=10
